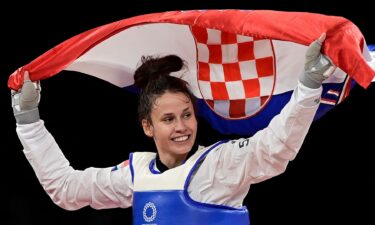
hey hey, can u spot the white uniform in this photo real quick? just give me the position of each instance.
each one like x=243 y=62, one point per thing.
x=224 y=177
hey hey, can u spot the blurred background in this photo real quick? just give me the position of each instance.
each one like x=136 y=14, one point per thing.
x=331 y=180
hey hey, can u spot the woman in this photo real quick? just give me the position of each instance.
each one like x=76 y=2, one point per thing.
x=182 y=183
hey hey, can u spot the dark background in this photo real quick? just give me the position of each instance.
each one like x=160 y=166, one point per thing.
x=331 y=181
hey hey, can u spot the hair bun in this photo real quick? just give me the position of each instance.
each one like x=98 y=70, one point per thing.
x=153 y=68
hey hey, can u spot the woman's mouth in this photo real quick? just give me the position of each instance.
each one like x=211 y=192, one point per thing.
x=181 y=138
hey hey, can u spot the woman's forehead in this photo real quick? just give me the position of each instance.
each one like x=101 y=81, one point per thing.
x=170 y=101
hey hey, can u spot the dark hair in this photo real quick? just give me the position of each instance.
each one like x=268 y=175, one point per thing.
x=153 y=78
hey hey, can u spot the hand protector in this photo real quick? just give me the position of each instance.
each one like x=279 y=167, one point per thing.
x=26 y=100
x=318 y=67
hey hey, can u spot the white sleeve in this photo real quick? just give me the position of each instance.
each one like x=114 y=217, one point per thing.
x=307 y=97
x=228 y=171
x=268 y=152
x=73 y=189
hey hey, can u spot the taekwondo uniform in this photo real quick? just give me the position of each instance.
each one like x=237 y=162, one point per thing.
x=209 y=187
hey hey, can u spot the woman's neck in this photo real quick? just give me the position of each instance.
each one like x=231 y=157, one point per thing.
x=163 y=162
x=172 y=161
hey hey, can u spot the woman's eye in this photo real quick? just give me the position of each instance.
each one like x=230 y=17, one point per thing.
x=187 y=115
x=168 y=119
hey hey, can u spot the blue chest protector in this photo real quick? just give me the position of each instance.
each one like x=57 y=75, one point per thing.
x=163 y=199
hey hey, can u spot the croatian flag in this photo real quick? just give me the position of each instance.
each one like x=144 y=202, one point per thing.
x=242 y=64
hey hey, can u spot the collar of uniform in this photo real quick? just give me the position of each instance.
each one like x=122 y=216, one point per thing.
x=161 y=167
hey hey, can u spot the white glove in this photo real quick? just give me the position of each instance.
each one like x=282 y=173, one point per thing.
x=26 y=100
x=318 y=67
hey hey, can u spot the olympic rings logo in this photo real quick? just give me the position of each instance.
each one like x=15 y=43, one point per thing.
x=149 y=205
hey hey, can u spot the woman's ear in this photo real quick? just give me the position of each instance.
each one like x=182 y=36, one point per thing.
x=147 y=128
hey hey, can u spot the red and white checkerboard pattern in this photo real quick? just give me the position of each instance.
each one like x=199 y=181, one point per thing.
x=236 y=73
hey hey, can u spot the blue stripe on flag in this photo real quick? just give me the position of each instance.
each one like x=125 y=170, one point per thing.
x=250 y=126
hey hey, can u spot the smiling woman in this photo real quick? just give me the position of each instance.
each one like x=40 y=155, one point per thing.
x=166 y=109
x=182 y=183
x=95 y=123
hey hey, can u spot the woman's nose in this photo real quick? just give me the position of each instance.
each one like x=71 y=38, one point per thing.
x=180 y=125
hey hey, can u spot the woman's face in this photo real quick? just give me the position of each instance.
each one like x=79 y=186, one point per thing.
x=174 y=126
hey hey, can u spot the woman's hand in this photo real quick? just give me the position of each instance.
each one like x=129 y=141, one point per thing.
x=318 y=67
x=25 y=101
